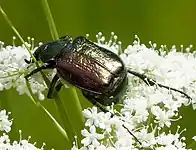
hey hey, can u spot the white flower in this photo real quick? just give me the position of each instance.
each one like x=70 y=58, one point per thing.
x=93 y=117
x=98 y=119
x=194 y=138
x=13 y=68
x=162 y=116
x=102 y=147
x=169 y=140
x=5 y=124
x=5 y=144
x=147 y=139
x=91 y=137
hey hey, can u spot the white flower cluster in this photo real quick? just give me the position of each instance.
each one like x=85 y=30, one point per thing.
x=13 y=69
x=147 y=112
x=5 y=123
x=144 y=117
x=21 y=145
x=5 y=126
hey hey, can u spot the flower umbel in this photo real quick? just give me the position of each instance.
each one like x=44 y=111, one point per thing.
x=147 y=111
x=13 y=69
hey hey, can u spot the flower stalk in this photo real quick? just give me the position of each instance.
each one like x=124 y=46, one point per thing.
x=74 y=99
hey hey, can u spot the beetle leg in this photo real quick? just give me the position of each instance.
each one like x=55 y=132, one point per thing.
x=87 y=90
x=52 y=87
x=58 y=87
x=132 y=134
x=45 y=66
x=28 y=61
x=102 y=108
x=152 y=82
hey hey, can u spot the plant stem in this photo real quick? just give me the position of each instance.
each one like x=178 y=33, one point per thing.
x=38 y=104
x=50 y=20
x=69 y=124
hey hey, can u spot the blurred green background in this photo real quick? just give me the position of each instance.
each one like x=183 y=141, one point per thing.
x=164 y=22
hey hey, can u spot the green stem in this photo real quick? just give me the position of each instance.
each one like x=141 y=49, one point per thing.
x=63 y=113
x=38 y=104
x=149 y=118
x=50 y=20
x=67 y=120
x=77 y=110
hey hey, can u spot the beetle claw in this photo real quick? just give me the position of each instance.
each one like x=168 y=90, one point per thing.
x=27 y=61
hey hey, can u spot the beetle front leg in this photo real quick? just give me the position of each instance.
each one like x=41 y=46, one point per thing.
x=45 y=66
x=152 y=82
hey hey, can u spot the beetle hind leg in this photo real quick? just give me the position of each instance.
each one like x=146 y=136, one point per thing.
x=152 y=82
x=94 y=101
x=102 y=108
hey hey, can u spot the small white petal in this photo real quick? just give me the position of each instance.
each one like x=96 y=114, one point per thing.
x=95 y=143
x=85 y=133
x=86 y=141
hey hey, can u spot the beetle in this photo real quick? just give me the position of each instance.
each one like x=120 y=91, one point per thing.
x=99 y=73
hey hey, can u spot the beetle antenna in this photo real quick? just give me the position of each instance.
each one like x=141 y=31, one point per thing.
x=152 y=82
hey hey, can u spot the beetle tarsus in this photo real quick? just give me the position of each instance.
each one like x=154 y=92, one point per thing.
x=45 y=66
x=132 y=134
x=27 y=61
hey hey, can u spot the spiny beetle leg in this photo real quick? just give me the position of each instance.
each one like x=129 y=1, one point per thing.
x=152 y=82
x=102 y=108
x=45 y=66
x=52 y=87
x=132 y=134
x=87 y=90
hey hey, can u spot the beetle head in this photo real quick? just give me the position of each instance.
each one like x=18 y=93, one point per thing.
x=48 y=51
